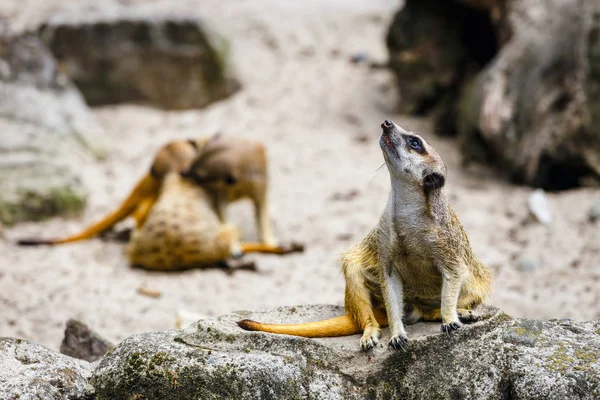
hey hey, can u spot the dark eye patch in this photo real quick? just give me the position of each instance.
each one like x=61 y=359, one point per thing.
x=415 y=143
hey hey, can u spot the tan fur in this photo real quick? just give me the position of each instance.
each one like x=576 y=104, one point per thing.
x=416 y=264
x=182 y=230
x=172 y=157
x=179 y=205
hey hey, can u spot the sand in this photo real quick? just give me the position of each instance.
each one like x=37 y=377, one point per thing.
x=319 y=115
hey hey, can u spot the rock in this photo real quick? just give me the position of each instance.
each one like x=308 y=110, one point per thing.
x=82 y=343
x=48 y=133
x=30 y=371
x=539 y=207
x=498 y=357
x=593 y=215
x=359 y=58
x=518 y=80
x=534 y=110
x=527 y=265
x=167 y=61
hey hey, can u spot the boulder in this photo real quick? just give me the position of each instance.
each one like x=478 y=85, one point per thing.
x=170 y=61
x=496 y=358
x=534 y=110
x=48 y=133
x=518 y=80
x=31 y=371
x=82 y=343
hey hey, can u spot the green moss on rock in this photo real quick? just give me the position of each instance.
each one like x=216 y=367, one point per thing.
x=37 y=206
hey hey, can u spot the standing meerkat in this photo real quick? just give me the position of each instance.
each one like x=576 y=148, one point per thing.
x=416 y=264
x=179 y=205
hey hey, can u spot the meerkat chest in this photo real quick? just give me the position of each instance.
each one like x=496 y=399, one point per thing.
x=414 y=261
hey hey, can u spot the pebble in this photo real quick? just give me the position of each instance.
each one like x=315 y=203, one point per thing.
x=526 y=265
x=594 y=213
x=539 y=207
x=359 y=58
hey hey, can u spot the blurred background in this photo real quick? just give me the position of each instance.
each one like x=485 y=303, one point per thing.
x=508 y=91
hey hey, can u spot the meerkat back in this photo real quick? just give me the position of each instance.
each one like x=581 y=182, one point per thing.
x=181 y=231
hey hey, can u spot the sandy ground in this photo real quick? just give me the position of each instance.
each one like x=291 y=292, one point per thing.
x=319 y=115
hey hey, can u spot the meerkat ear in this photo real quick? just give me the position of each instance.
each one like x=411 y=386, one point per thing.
x=433 y=181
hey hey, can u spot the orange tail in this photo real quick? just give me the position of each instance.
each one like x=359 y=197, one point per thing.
x=338 y=326
x=250 y=247
x=147 y=187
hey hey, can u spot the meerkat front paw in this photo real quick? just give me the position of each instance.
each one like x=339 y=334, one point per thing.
x=451 y=326
x=370 y=338
x=235 y=250
x=468 y=316
x=398 y=342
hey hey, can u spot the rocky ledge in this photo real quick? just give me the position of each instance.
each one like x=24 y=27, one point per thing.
x=496 y=358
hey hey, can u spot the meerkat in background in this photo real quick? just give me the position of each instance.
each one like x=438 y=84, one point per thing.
x=179 y=205
x=416 y=264
x=172 y=157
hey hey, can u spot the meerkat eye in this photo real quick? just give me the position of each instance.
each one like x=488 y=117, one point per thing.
x=415 y=143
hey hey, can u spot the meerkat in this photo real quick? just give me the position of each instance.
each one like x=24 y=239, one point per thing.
x=179 y=205
x=173 y=156
x=416 y=264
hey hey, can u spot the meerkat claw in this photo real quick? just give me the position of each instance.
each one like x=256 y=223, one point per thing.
x=368 y=344
x=398 y=342
x=369 y=339
x=468 y=316
x=452 y=326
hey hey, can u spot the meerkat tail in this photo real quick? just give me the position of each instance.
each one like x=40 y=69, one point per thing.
x=250 y=247
x=143 y=209
x=338 y=326
x=147 y=187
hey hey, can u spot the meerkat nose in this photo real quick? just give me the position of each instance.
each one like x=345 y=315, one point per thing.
x=387 y=124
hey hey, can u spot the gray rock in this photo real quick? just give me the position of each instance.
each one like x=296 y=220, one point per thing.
x=29 y=371
x=526 y=265
x=82 y=343
x=169 y=61
x=518 y=80
x=496 y=358
x=534 y=110
x=594 y=213
x=46 y=133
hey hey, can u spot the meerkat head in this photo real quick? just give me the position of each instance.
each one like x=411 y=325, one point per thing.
x=213 y=165
x=411 y=159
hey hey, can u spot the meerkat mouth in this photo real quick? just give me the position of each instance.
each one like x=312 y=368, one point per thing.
x=388 y=144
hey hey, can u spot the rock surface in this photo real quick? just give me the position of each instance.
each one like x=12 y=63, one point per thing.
x=30 y=371
x=496 y=358
x=168 y=61
x=82 y=343
x=47 y=133
x=531 y=109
